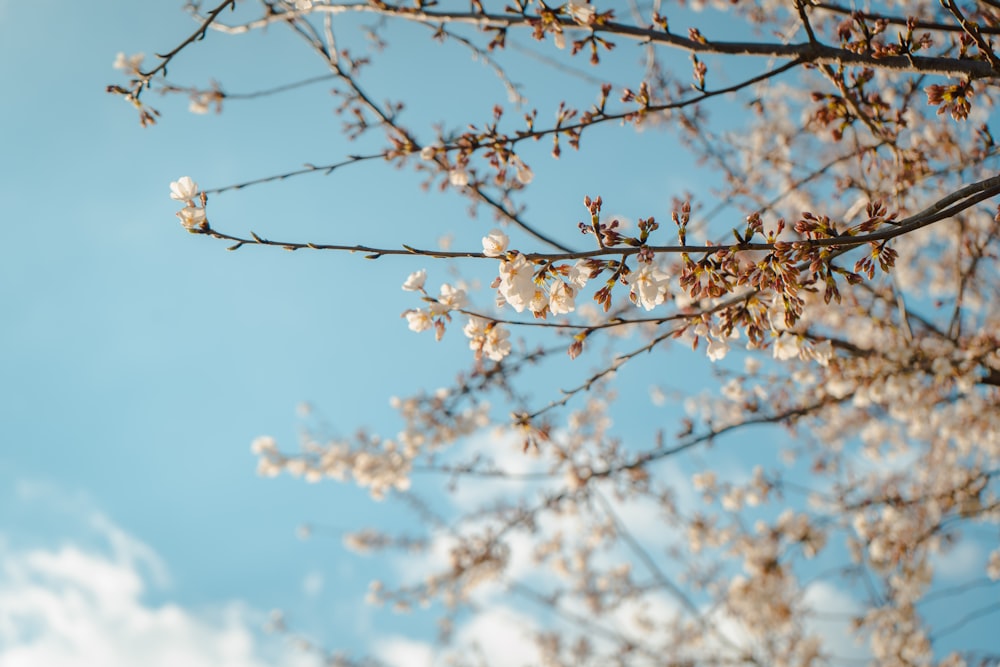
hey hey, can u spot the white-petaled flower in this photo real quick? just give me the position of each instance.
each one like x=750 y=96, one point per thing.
x=428 y=153
x=523 y=172
x=451 y=298
x=579 y=274
x=131 y=64
x=199 y=104
x=649 y=285
x=703 y=481
x=491 y=339
x=717 y=349
x=458 y=177
x=517 y=284
x=562 y=298
x=192 y=217
x=303 y=5
x=495 y=243
x=581 y=13
x=418 y=320
x=822 y=353
x=262 y=444
x=786 y=347
x=497 y=345
x=475 y=327
x=539 y=302
x=415 y=281
x=183 y=189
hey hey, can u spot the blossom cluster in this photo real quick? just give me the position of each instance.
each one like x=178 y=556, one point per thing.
x=192 y=216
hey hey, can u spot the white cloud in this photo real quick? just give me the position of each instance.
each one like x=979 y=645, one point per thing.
x=965 y=560
x=403 y=652
x=832 y=622
x=499 y=635
x=73 y=607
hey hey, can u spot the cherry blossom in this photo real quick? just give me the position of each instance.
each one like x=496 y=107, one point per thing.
x=648 y=285
x=415 y=281
x=562 y=298
x=495 y=243
x=517 y=284
x=129 y=64
x=183 y=189
x=192 y=218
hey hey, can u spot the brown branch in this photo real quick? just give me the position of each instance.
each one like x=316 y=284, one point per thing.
x=944 y=208
x=196 y=36
x=808 y=52
x=897 y=20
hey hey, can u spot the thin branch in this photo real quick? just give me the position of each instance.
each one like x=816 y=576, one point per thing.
x=807 y=52
x=944 y=208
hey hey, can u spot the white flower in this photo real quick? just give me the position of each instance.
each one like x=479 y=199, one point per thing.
x=428 y=153
x=264 y=443
x=476 y=328
x=492 y=340
x=539 y=302
x=649 y=285
x=418 y=320
x=303 y=5
x=497 y=344
x=183 y=189
x=717 y=349
x=131 y=64
x=579 y=274
x=495 y=243
x=517 y=284
x=198 y=105
x=451 y=298
x=458 y=177
x=202 y=103
x=786 y=347
x=192 y=218
x=523 y=172
x=822 y=353
x=562 y=298
x=581 y=13
x=415 y=281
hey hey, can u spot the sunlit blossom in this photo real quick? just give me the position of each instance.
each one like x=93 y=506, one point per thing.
x=418 y=320
x=786 y=346
x=648 y=285
x=450 y=298
x=717 y=349
x=192 y=217
x=517 y=284
x=495 y=243
x=183 y=189
x=415 y=281
x=581 y=13
x=562 y=298
x=129 y=64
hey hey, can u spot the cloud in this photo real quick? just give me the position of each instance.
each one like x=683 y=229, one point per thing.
x=500 y=636
x=964 y=560
x=72 y=606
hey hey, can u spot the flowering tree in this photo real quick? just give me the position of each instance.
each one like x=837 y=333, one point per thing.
x=845 y=289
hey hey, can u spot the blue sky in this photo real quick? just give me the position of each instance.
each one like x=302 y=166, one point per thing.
x=140 y=361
